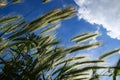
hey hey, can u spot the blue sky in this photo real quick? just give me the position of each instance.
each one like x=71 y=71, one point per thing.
x=75 y=25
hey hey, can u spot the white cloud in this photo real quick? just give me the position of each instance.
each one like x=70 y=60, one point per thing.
x=101 y=12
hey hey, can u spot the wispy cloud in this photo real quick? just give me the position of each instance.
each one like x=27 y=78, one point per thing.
x=101 y=12
x=95 y=38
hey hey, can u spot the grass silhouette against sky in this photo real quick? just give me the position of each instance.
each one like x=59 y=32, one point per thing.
x=31 y=9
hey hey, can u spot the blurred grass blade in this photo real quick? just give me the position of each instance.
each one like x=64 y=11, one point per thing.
x=45 y=1
x=50 y=29
x=16 y=1
x=19 y=33
x=17 y=26
x=69 y=67
x=4 y=27
x=116 y=71
x=71 y=60
x=76 y=75
x=79 y=36
x=84 y=37
x=5 y=31
x=9 y=19
x=3 y=3
x=51 y=17
x=78 y=78
x=84 y=62
x=74 y=71
x=78 y=48
x=109 y=53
